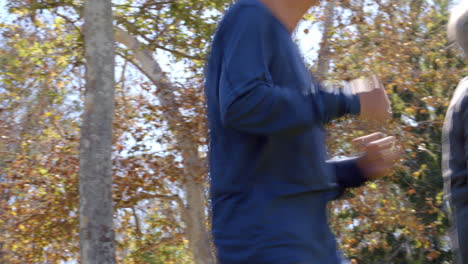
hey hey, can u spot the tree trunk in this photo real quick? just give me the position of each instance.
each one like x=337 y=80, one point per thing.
x=5 y=155
x=194 y=211
x=3 y=205
x=323 y=64
x=195 y=218
x=95 y=173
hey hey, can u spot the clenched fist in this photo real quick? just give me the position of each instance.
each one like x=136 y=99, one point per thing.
x=375 y=105
x=379 y=155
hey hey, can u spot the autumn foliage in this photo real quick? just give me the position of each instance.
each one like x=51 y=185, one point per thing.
x=397 y=220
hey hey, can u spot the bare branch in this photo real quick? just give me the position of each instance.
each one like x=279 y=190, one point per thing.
x=164 y=240
x=146 y=196
x=137 y=222
x=134 y=29
x=150 y=66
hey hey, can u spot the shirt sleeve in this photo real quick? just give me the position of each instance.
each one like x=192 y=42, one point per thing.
x=342 y=103
x=465 y=130
x=459 y=177
x=348 y=175
x=249 y=100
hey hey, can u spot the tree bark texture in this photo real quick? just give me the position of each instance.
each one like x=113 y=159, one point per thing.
x=95 y=173
x=323 y=64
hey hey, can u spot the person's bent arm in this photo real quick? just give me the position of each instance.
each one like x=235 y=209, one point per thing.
x=371 y=102
x=342 y=103
x=348 y=174
x=465 y=130
x=459 y=178
x=249 y=100
x=379 y=156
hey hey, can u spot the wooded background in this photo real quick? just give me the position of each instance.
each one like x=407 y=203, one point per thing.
x=159 y=141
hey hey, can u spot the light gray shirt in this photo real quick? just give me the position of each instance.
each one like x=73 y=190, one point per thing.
x=455 y=148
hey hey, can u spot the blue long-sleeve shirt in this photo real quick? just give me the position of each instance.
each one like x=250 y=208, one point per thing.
x=270 y=181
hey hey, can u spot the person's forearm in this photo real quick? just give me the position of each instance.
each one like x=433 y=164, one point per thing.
x=339 y=104
x=267 y=109
x=348 y=173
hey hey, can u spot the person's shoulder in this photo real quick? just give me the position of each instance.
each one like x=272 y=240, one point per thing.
x=246 y=12
x=460 y=96
x=248 y=7
x=462 y=87
x=463 y=81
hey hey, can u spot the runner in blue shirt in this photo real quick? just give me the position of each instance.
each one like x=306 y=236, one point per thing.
x=270 y=182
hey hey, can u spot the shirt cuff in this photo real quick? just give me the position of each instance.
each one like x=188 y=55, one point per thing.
x=355 y=105
x=348 y=174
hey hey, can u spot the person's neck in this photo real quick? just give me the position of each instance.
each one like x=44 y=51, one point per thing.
x=289 y=12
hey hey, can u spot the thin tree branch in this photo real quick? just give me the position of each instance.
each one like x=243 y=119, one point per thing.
x=134 y=29
x=164 y=240
x=146 y=196
x=137 y=222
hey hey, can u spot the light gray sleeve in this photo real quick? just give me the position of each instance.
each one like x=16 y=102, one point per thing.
x=464 y=109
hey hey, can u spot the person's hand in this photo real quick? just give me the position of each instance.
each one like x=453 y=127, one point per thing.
x=379 y=155
x=375 y=105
